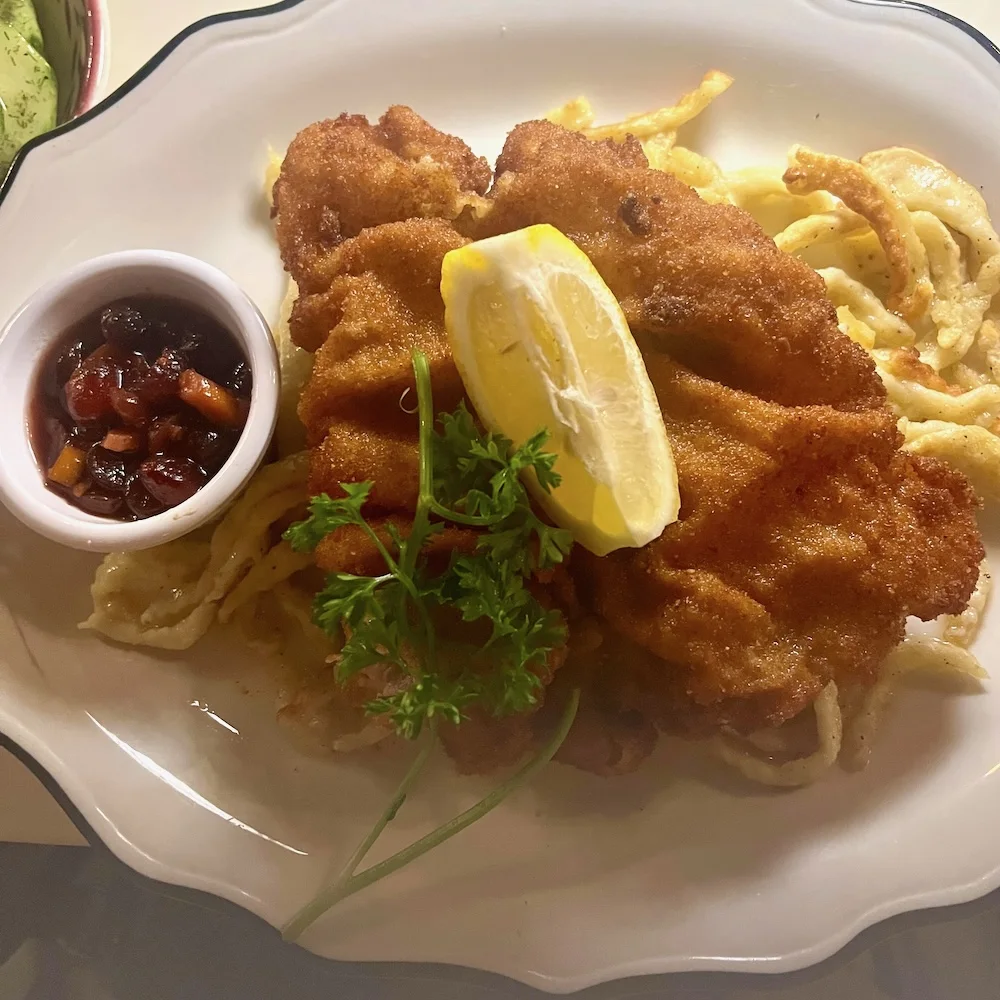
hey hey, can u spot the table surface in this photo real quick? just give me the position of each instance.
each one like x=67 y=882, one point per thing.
x=85 y=926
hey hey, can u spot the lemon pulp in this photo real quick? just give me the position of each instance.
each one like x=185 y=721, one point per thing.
x=541 y=342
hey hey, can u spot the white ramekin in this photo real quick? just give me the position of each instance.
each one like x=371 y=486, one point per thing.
x=48 y=314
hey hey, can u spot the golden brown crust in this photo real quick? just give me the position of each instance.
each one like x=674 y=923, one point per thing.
x=806 y=537
x=805 y=540
x=343 y=175
x=351 y=550
x=614 y=730
x=704 y=280
x=383 y=301
x=483 y=742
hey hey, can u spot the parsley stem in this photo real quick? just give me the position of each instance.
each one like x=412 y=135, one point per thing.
x=343 y=888
x=425 y=495
x=382 y=550
x=472 y=520
x=395 y=573
x=301 y=920
x=395 y=803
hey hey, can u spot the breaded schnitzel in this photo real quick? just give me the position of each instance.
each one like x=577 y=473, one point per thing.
x=703 y=280
x=805 y=541
x=805 y=538
x=383 y=302
x=343 y=175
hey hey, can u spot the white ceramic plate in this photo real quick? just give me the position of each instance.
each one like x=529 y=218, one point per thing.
x=177 y=762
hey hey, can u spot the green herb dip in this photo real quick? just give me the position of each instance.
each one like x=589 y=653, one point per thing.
x=28 y=88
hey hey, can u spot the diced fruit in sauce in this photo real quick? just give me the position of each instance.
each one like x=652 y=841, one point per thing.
x=68 y=467
x=88 y=389
x=69 y=361
x=103 y=503
x=123 y=440
x=171 y=480
x=57 y=436
x=84 y=435
x=211 y=446
x=168 y=367
x=122 y=326
x=125 y=420
x=212 y=401
x=241 y=380
x=140 y=503
x=130 y=406
x=165 y=434
x=107 y=468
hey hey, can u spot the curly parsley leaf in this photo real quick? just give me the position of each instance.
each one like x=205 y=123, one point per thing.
x=479 y=473
x=470 y=478
x=473 y=478
x=344 y=599
x=327 y=514
x=429 y=697
x=523 y=633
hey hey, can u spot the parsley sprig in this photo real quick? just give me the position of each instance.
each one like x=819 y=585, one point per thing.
x=472 y=479
x=469 y=478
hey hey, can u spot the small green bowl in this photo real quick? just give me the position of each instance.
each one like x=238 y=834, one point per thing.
x=75 y=33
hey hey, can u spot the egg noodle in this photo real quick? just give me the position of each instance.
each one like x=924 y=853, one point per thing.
x=911 y=262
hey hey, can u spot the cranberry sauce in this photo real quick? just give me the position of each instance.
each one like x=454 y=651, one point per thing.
x=138 y=405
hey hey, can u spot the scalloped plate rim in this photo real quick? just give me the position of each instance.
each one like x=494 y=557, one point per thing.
x=60 y=778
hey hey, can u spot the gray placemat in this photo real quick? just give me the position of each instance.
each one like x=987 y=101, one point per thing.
x=77 y=924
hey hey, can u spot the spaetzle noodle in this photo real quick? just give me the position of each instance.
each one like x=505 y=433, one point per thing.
x=937 y=300
x=801 y=770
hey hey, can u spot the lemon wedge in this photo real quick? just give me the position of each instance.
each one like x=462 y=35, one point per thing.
x=540 y=342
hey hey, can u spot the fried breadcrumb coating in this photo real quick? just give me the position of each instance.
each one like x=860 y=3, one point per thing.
x=806 y=537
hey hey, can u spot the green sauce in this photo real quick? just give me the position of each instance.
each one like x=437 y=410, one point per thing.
x=28 y=88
